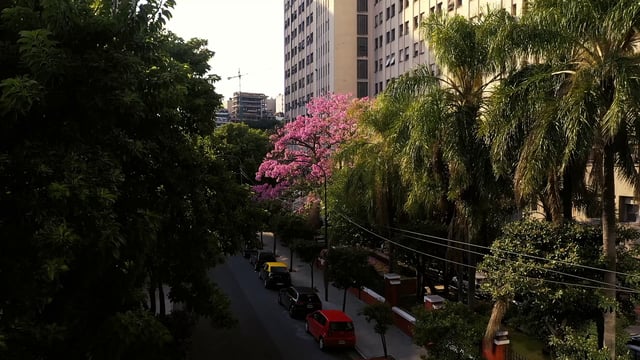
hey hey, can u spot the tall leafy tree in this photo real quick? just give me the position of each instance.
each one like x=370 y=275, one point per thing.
x=109 y=184
x=373 y=184
x=589 y=48
x=444 y=159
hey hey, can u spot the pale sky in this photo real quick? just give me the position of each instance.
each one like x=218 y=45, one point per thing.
x=244 y=34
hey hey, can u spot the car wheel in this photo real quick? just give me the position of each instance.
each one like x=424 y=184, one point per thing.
x=321 y=343
x=292 y=311
x=306 y=327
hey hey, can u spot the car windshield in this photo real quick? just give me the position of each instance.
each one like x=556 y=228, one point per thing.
x=341 y=326
x=278 y=269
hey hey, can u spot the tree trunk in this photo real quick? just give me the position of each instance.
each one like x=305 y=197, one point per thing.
x=471 y=291
x=152 y=299
x=609 y=247
x=567 y=193
x=344 y=298
x=497 y=314
x=274 y=244
x=384 y=345
x=163 y=310
x=290 y=257
x=420 y=275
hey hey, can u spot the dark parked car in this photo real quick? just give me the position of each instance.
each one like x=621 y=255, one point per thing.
x=248 y=253
x=260 y=258
x=299 y=300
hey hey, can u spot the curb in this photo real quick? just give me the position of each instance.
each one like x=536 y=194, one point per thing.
x=357 y=349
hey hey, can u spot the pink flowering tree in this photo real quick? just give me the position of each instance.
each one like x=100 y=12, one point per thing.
x=301 y=158
x=302 y=149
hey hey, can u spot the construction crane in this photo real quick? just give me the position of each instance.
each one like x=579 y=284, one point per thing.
x=239 y=76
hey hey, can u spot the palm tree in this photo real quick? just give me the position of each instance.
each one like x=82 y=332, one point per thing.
x=444 y=159
x=374 y=181
x=590 y=57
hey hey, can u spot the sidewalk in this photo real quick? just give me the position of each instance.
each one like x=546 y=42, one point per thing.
x=368 y=343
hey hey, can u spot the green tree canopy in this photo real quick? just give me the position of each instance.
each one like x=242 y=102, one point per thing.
x=109 y=187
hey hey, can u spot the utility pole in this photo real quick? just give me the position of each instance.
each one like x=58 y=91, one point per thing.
x=239 y=76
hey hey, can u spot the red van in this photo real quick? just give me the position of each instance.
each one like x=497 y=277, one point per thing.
x=332 y=328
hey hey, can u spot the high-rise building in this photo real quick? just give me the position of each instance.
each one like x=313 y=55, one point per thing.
x=359 y=46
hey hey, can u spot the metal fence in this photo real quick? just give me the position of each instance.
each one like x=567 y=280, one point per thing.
x=512 y=355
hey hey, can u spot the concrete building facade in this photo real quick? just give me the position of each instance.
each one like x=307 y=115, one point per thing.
x=359 y=46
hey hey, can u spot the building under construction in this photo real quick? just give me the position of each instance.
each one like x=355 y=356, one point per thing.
x=246 y=106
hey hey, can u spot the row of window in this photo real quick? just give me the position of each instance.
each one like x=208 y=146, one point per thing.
x=403 y=55
x=299 y=102
x=308 y=40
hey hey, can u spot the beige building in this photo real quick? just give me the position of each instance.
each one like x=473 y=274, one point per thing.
x=359 y=46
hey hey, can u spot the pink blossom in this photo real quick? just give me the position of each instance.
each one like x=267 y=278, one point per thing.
x=302 y=149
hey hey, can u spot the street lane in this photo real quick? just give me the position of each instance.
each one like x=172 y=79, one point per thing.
x=264 y=330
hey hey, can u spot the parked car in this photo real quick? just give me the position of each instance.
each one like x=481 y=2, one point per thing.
x=332 y=328
x=299 y=300
x=260 y=258
x=250 y=252
x=275 y=274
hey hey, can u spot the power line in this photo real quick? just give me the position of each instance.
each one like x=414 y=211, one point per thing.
x=512 y=252
x=620 y=289
x=543 y=269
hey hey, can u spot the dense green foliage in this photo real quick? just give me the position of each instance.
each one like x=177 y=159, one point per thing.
x=452 y=333
x=109 y=183
x=555 y=274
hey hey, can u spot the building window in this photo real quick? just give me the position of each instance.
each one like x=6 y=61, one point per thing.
x=406 y=28
x=380 y=64
x=416 y=23
x=400 y=30
x=363 y=69
x=416 y=48
x=627 y=209
x=387 y=37
x=375 y=66
x=375 y=21
x=514 y=9
x=362 y=25
x=388 y=12
x=362 y=6
x=363 y=47
x=363 y=89
x=393 y=10
x=376 y=42
x=393 y=34
x=400 y=55
x=406 y=54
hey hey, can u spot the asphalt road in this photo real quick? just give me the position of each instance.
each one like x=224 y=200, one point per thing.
x=264 y=331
